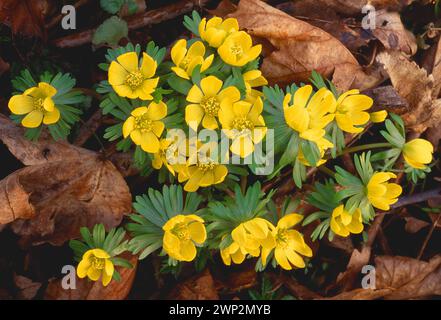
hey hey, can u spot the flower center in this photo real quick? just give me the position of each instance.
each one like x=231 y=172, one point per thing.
x=143 y=124
x=38 y=104
x=211 y=106
x=236 y=50
x=206 y=165
x=181 y=231
x=282 y=238
x=97 y=263
x=134 y=79
x=242 y=124
x=185 y=62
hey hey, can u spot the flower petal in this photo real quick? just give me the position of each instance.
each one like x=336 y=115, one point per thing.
x=32 y=119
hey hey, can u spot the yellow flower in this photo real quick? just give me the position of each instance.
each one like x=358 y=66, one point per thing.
x=343 y=223
x=309 y=115
x=215 y=30
x=160 y=158
x=144 y=126
x=186 y=60
x=378 y=116
x=253 y=235
x=131 y=81
x=288 y=244
x=180 y=235
x=253 y=79
x=350 y=111
x=202 y=170
x=417 y=153
x=380 y=193
x=207 y=101
x=237 y=49
x=37 y=104
x=233 y=253
x=243 y=123
x=96 y=263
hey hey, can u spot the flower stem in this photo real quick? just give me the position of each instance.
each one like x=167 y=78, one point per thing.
x=365 y=147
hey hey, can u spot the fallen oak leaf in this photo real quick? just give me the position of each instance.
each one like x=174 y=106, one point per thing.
x=63 y=188
x=294 y=48
x=89 y=290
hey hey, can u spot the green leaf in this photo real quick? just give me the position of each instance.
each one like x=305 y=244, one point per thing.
x=110 y=32
x=111 y=6
x=180 y=85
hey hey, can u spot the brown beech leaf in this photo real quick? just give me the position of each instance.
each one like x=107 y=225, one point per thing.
x=415 y=86
x=24 y=16
x=392 y=33
x=27 y=288
x=294 y=48
x=199 y=287
x=89 y=290
x=62 y=189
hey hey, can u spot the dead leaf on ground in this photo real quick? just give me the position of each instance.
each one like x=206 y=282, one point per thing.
x=89 y=290
x=27 y=289
x=392 y=33
x=62 y=189
x=233 y=282
x=24 y=16
x=416 y=87
x=199 y=287
x=294 y=48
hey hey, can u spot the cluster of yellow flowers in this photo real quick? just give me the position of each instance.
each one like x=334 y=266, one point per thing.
x=259 y=237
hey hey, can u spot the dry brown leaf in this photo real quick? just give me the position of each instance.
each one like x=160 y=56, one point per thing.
x=392 y=33
x=24 y=16
x=88 y=290
x=27 y=288
x=413 y=225
x=415 y=86
x=199 y=287
x=295 y=48
x=224 y=8
x=62 y=189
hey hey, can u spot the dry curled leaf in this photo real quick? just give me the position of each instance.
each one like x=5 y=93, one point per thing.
x=294 y=48
x=392 y=33
x=27 y=289
x=24 y=16
x=89 y=290
x=199 y=287
x=415 y=86
x=62 y=189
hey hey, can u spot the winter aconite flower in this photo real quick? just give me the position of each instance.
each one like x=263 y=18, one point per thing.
x=215 y=30
x=206 y=102
x=343 y=223
x=160 y=158
x=237 y=49
x=37 y=104
x=202 y=169
x=309 y=115
x=130 y=80
x=186 y=60
x=380 y=193
x=144 y=126
x=253 y=235
x=350 y=111
x=181 y=233
x=378 y=116
x=289 y=244
x=253 y=79
x=243 y=123
x=95 y=264
x=417 y=153
x=234 y=253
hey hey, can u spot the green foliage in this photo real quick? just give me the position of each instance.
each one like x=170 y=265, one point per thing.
x=110 y=32
x=192 y=23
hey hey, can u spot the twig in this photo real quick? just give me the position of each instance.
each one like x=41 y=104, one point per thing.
x=138 y=21
x=88 y=129
x=416 y=198
x=429 y=235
